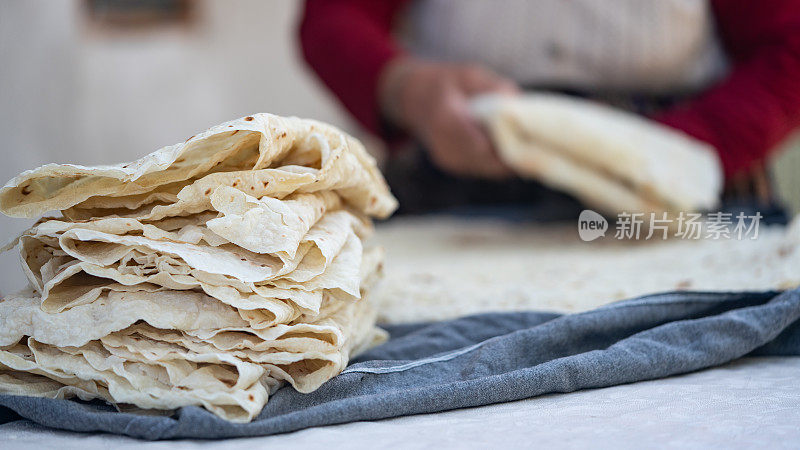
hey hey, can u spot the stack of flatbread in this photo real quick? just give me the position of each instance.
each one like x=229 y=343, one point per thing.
x=206 y=273
x=611 y=160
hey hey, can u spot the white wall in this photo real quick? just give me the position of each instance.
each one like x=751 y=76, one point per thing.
x=71 y=93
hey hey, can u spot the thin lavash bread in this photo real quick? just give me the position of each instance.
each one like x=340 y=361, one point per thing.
x=207 y=273
x=261 y=155
x=609 y=159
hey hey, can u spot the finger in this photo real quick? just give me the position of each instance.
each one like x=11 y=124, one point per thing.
x=457 y=143
x=474 y=146
x=496 y=163
x=484 y=160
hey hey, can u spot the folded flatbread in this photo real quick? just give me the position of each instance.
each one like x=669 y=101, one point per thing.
x=611 y=160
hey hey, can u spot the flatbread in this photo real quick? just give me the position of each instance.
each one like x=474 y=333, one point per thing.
x=612 y=160
x=261 y=155
x=329 y=255
x=163 y=368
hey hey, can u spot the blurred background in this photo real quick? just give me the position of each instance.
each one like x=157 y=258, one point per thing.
x=105 y=81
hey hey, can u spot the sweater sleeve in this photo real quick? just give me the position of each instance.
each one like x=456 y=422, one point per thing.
x=758 y=104
x=348 y=43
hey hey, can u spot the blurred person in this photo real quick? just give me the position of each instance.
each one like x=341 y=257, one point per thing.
x=726 y=72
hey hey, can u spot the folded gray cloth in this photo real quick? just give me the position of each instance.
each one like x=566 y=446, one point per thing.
x=485 y=359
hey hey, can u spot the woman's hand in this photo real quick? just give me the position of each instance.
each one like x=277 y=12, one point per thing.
x=430 y=100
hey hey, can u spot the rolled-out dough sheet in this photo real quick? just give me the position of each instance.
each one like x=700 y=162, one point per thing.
x=445 y=267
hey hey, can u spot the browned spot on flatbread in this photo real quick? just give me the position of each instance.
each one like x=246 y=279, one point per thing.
x=248 y=118
x=208 y=191
x=25 y=190
x=683 y=284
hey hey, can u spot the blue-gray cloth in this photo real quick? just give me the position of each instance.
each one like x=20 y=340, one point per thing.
x=483 y=359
